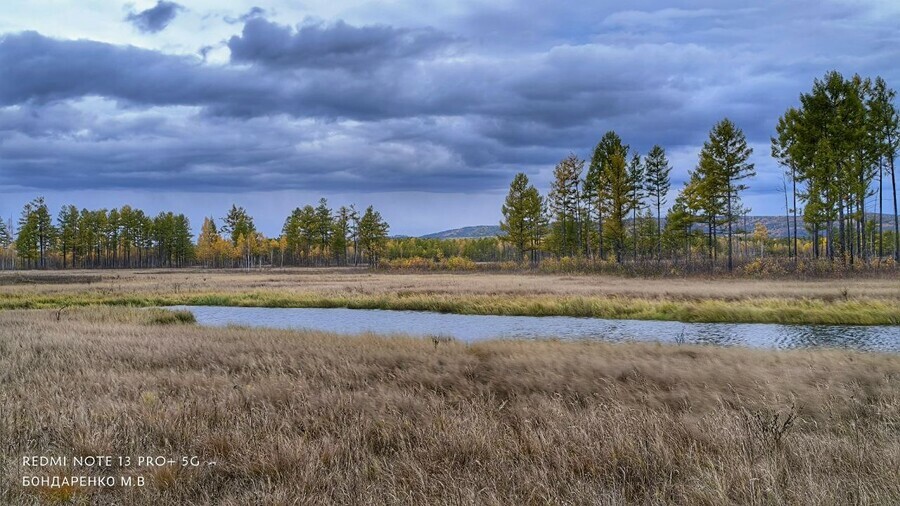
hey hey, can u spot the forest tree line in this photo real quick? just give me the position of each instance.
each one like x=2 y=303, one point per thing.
x=130 y=238
x=837 y=147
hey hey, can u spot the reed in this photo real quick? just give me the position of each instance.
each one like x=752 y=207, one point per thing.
x=864 y=301
x=306 y=417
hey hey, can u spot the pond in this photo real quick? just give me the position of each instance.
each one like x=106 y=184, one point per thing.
x=470 y=328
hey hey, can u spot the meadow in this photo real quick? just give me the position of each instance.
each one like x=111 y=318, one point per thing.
x=859 y=300
x=310 y=418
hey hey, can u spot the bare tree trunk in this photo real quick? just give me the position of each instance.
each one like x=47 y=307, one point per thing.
x=794 y=180
x=880 y=209
x=896 y=223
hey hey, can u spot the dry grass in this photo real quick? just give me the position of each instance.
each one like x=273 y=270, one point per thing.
x=366 y=282
x=309 y=418
x=852 y=301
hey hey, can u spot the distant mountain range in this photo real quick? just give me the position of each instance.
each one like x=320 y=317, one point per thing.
x=777 y=226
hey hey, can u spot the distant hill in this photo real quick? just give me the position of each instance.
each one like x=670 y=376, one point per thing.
x=777 y=226
x=466 y=232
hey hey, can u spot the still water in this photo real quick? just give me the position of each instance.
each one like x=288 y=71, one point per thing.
x=471 y=328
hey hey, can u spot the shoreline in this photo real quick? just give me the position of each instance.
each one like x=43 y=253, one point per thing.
x=864 y=312
x=869 y=301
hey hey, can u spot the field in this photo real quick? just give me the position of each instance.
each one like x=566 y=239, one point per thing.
x=863 y=301
x=303 y=418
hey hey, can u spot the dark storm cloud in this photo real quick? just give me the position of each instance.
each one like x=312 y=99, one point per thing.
x=542 y=88
x=337 y=45
x=41 y=69
x=156 y=18
x=460 y=107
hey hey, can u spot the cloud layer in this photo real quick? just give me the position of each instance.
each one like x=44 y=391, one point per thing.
x=455 y=98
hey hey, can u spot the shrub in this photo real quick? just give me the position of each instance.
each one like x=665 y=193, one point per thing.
x=459 y=264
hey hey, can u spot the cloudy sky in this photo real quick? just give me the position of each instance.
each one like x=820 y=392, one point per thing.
x=424 y=108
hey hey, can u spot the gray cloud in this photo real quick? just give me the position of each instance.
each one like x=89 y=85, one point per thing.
x=156 y=18
x=337 y=45
x=455 y=108
x=42 y=69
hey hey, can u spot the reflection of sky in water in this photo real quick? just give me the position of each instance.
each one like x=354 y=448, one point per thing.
x=477 y=327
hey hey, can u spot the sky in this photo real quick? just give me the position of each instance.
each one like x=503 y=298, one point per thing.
x=423 y=108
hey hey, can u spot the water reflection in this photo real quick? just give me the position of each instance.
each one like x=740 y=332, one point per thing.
x=476 y=327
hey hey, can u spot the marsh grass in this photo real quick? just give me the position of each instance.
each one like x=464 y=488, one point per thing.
x=854 y=302
x=170 y=317
x=313 y=418
x=761 y=310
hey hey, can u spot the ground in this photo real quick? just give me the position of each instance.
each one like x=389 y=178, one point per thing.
x=310 y=418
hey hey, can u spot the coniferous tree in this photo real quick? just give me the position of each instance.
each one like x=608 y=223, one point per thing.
x=340 y=235
x=621 y=202
x=886 y=127
x=782 y=146
x=636 y=172
x=6 y=240
x=725 y=160
x=5 y=235
x=323 y=228
x=36 y=233
x=522 y=216
x=596 y=184
x=679 y=224
x=563 y=203
x=238 y=224
x=373 y=231
x=657 y=186
x=67 y=219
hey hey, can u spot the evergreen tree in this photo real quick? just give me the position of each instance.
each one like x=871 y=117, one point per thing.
x=67 y=220
x=522 y=216
x=886 y=127
x=238 y=224
x=373 y=232
x=782 y=147
x=677 y=232
x=563 y=203
x=657 y=187
x=596 y=184
x=6 y=240
x=636 y=172
x=128 y=219
x=725 y=160
x=36 y=233
x=5 y=235
x=323 y=227
x=340 y=234
x=621 y=202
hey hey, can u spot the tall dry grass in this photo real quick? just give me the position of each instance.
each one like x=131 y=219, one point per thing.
x=855 y=301
x=311 y=418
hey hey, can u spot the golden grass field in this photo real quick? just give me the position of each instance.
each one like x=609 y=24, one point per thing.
x=873 y=300
x=311 y=418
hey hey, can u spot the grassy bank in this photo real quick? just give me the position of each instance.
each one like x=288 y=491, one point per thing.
x=315 y=418
x=808 y=311
x=858 y=301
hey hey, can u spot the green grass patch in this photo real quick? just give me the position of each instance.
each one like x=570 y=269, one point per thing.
x=171 y=317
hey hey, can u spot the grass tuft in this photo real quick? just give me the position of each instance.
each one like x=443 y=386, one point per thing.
x=170 y=317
